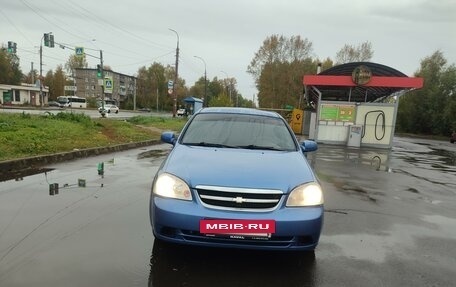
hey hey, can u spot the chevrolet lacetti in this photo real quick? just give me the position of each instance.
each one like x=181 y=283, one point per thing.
x=237 y=177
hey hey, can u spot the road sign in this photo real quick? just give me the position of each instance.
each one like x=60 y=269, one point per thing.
x=170 y=84
x=79 y=51
x=70 y=88
x=170 y=91
x=108 y=85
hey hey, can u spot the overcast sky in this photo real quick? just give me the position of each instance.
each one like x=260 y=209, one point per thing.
x=226 y=34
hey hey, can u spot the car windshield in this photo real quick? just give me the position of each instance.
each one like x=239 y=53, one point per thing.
x=239 y=131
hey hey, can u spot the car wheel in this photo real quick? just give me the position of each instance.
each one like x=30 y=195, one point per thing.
x=117 y=112
x=109 y=111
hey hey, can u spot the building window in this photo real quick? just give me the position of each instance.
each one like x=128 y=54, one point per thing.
x=17 y=96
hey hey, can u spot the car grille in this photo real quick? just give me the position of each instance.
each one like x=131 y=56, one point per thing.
x=239 y=198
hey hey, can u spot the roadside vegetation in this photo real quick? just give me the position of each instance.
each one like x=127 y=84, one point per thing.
x=25 y=135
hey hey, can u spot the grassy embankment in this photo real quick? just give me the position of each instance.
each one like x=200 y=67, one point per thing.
x=25 y=135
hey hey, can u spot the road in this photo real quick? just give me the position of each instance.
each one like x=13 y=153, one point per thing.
x=390 y=220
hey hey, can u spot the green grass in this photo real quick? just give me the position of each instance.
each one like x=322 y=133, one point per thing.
x=25 y=135
x=174 y=124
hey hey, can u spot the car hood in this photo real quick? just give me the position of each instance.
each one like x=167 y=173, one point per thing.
x=238 y=167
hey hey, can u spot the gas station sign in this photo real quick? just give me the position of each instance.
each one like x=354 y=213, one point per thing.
x=337 y=113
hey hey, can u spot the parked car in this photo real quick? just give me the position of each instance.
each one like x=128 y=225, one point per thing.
x=55 y=104
x=109 y=108
x=453 y=137
x=237 y=177
x=146 y=110
x=181 y=112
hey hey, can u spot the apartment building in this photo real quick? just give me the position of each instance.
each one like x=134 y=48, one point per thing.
x=87 y=85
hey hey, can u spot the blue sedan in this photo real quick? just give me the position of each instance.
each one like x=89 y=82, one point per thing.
x=238 y=178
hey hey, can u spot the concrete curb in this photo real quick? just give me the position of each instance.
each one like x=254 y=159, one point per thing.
x=37 y=161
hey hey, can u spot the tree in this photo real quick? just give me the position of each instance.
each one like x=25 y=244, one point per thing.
x=278 y=67
x=153 y=82
x=59 y=82
x=220 y=100
x=56 y=82
x=75 y=62
x=10 y=71
x=432 y=109
x=350 y=53
x=279 y=49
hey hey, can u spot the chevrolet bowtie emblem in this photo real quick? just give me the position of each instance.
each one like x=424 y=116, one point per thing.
x=239 y=199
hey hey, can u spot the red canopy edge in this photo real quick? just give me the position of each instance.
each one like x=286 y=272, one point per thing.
x=376 y=81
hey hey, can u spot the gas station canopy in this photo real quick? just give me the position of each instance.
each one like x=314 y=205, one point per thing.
x=358 y=82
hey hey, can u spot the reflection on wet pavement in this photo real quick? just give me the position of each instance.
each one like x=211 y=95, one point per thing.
x=20 y=174
x=376 y=159
x=180 y=265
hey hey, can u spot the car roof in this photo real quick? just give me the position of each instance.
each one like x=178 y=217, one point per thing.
x=245 y=111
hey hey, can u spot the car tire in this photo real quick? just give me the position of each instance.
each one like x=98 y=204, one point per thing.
x=117 y=112
x=109 y=111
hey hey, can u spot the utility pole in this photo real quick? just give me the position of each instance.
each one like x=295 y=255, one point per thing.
x=102 y=85
x=176 y=74
x=48 y=42
x=206 y=100
x=41 y=73
x=31 y=75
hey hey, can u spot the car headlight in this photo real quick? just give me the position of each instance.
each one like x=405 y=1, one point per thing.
x=170 y=186
x=309 y=194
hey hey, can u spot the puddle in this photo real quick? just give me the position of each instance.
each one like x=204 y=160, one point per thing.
x=375 y=159
x=20 y=174
x=153 y=154
x=447 y=157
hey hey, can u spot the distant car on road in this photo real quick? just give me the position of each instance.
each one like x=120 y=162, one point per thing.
x=181 y=112
x=109 y=108
x=237 y=178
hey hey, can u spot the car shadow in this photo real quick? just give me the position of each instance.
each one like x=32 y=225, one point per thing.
x=181 y=265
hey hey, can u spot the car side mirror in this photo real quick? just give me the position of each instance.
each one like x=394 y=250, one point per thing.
x=308 y=145
x=168 y=137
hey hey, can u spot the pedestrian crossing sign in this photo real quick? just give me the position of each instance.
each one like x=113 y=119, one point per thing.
x=108 y=85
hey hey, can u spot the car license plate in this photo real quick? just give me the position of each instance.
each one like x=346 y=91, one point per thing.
x=238 y=229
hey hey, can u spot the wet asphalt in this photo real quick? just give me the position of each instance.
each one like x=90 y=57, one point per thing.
x=390 y=220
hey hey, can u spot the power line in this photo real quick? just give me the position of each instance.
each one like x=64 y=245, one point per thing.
x=35 y=10
x=14 y=25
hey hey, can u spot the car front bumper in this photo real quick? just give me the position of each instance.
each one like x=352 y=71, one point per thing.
x=296 y=228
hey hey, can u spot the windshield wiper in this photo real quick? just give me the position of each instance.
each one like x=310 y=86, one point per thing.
x=210 y=145
x=252 y=146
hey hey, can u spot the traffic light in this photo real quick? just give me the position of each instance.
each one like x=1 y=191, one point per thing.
x=99 y=71
x=46 y=39
x=12 y=47
x=51 y=41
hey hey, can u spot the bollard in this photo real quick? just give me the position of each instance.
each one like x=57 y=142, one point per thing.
x=101 y=168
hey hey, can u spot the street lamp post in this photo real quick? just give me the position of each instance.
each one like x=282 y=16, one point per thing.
x=175 y=75
x=205 y=82
x=229 y=85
